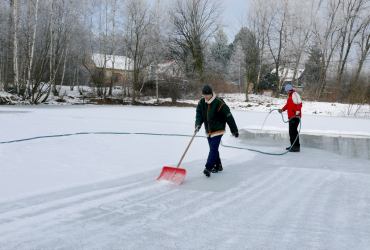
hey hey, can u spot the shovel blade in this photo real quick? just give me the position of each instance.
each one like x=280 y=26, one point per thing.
x=173 y=175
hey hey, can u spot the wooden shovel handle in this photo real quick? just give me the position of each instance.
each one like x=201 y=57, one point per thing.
x=195 y=132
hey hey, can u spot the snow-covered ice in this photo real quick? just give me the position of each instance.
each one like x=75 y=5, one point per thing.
x=99 y=191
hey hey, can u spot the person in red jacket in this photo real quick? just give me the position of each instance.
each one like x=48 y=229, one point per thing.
x=293 y=106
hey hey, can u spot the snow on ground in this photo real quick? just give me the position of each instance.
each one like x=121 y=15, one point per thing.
x=235 y=101
x=266 y=103
x=100 y=191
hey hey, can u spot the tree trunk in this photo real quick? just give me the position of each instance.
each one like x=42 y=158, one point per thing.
x=136 y=72
x=240 y=91
x=15 y=44
x=73 y=81
x=64 y=69
x=260 y=65
x=248 y=83
x=364 y=53
x=112 y=80
x=51 y=50
x=156 y=79
x=103 y=91
x=126 y=68
x=32 y=52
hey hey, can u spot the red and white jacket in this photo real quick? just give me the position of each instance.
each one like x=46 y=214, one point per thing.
x=293 y=104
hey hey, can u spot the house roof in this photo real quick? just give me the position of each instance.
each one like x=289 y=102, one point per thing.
x=167 y=67
x=163 y=67
x=289 y=73
x=120 y=62
x=167 y=63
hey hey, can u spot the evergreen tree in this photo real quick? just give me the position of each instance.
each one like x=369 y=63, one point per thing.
x=220 y=51
x=312 y=67
x=248 y=42
x=268 y=82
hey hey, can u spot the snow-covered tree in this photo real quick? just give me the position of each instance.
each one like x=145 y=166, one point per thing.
x=312 y=67
x=220 y=52
x=236 y=66
x=194 y=22
x=250 y=54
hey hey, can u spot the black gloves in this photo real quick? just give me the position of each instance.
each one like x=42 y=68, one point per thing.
x=197 y=128
x=280 y=110
x=236 y=135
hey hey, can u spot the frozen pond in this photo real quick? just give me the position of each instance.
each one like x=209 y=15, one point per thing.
x=100 y=191
x=353 y=147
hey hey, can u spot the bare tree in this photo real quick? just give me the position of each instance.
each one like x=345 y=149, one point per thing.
x=160 y=27
x=31 y=51
x=354 y=15
x=237 y=64
x=301 y=23
x=249 y=54
x=128 y=41
x=194 y=22
x=14 y=4
x=3 y=45
x=258 y=17
x=113 y=46
x=325 y=29
x=276 y=38
x=364 y=49
x=140 y=18
x=52 y=83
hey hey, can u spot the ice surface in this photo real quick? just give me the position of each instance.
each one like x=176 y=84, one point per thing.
x=100 y=191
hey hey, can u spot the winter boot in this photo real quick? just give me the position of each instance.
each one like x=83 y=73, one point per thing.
x=217 y=168
x=207 y=172
x=288 y=148
x=295 y=149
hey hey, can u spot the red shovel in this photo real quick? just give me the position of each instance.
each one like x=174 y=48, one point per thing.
x=175 y=175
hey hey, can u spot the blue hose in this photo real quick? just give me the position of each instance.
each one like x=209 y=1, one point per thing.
x=125 y=133
x=261 y=152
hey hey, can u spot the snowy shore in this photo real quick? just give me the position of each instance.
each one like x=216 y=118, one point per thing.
x=260 y=103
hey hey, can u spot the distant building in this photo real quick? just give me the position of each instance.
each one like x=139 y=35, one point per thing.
x=167 y=69
x=288 y=73
x=122 y=66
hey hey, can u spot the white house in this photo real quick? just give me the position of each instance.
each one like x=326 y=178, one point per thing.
x=122 y=66
x=288 y=73
x=169 y=68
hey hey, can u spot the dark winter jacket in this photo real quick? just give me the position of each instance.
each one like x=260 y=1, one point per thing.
x=293 y=104
x=214 y=113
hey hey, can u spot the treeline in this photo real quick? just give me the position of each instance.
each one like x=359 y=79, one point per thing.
x=45 y=44
x=329 y=38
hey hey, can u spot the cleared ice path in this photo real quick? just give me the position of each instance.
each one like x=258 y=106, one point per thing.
x=257 y=206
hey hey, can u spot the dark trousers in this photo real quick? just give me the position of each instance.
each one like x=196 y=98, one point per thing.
x=214 y=155
x=293 y=131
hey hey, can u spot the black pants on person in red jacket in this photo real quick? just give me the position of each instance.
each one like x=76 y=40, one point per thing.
x=293 y=132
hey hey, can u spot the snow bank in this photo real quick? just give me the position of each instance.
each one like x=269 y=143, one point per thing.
x=257 y=103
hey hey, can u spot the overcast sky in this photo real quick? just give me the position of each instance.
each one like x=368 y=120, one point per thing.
x=232 y=15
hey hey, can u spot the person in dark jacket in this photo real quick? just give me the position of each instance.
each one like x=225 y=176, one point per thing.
x=214 y=113
x=293 y=106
